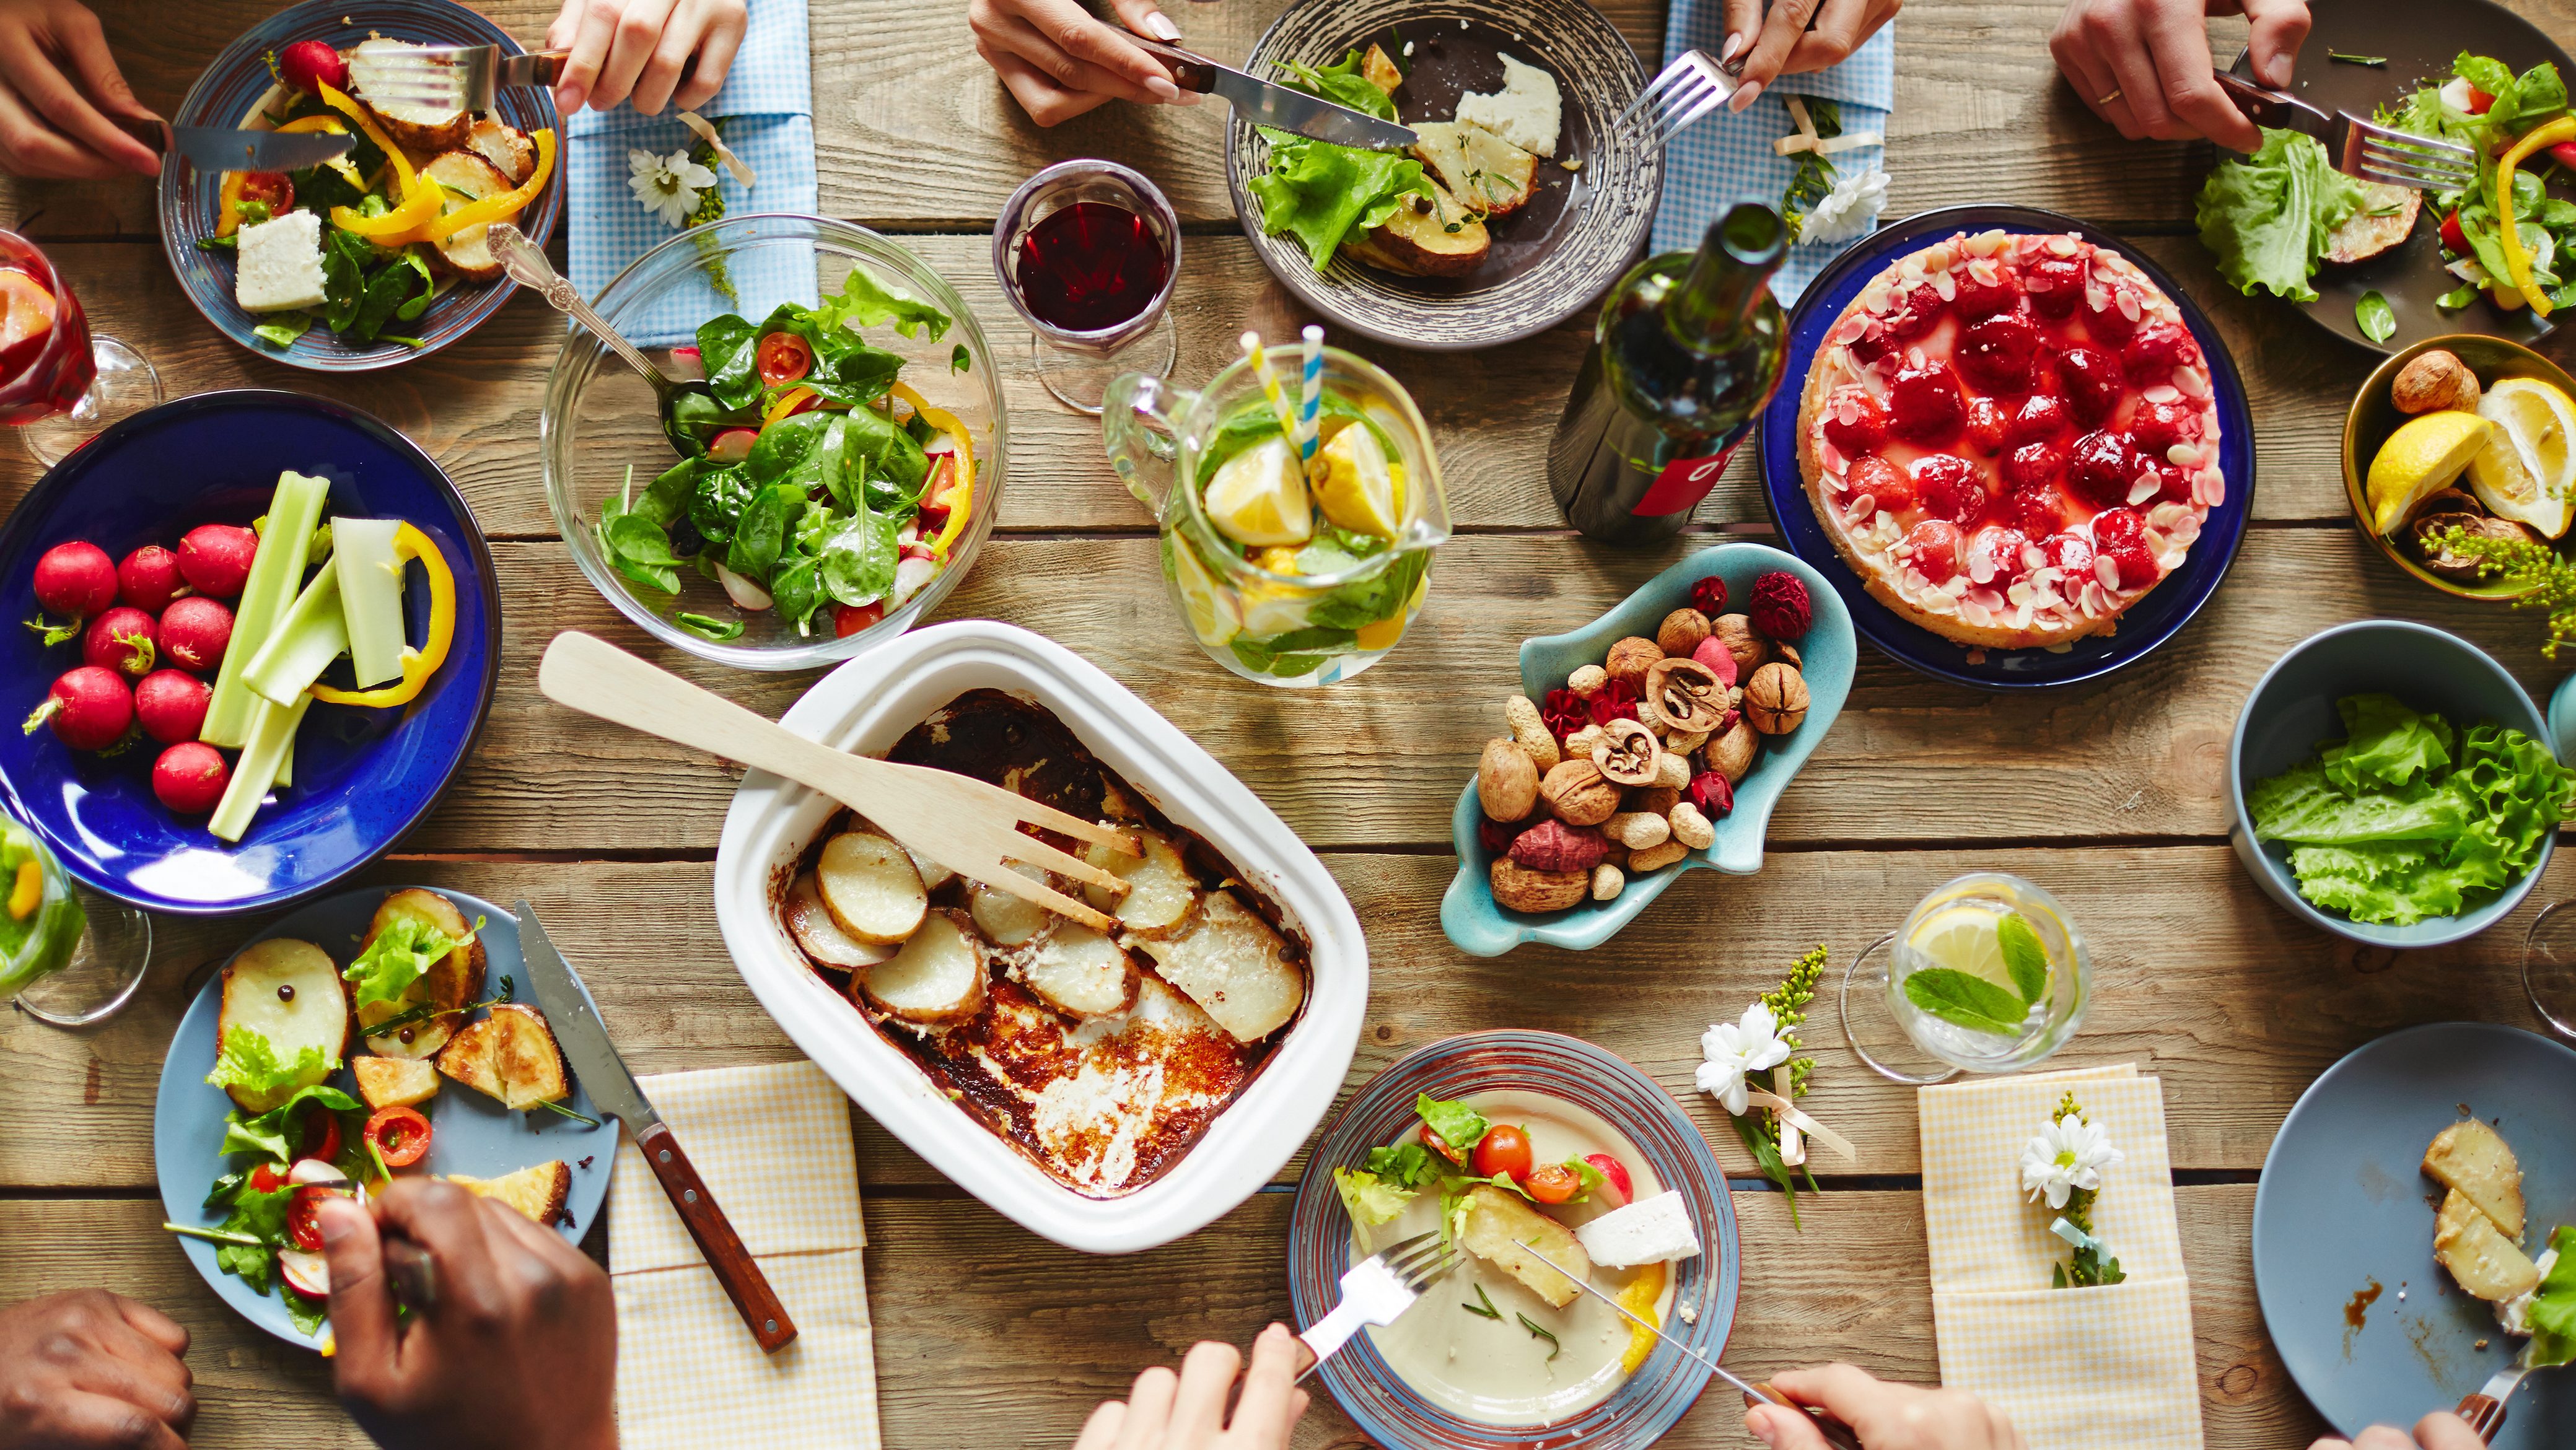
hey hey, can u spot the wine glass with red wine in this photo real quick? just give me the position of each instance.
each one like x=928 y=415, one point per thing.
x=59 y=384
x=1087 y=252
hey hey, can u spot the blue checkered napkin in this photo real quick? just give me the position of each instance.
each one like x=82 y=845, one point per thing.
x=768 y=97
x=1726 y=157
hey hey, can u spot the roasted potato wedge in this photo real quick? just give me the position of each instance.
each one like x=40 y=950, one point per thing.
x=506 y=147
x=1081 y=973
x=395 y=1082
x=1234 y=966
x=1379 y=69
x=1501 y=1230
x=2484 y=1261
x=1161 y=896
x=538 y=1191
x=449 y=985
x=938 y=977
x=871 y=887
x=420 y=130
x=511 y=1055
x=810 y=923
x=465 y=177
x=1433 y=236
x=1478 y=167
x=290 y=993
x=2468 y=1158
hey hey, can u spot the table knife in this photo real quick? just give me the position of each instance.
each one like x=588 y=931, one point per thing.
x=603 y=1074
x=221 y=148
x=1264 y=103
x=1836 y=1433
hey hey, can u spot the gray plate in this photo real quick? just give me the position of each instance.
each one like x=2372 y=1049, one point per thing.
x=1551 y=258
x=2344 y=1206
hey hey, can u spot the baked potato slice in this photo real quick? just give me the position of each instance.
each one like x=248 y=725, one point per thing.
x=810 y=925
x=1161 y=897
x=871 y=887
x=1234 y=966
x=464 y=178
x=1502 y=1230
x=2469 y=1158
x=378 y=68
x=447 y=985
x=1477 y=166
x=2484 y=1261
x=1428 y=236
x=937 y=978
x=289 y=993
x=538 y=1191
x=1379 y=69
x=512 y=1056
x=1081 y=973
x=506 y=147
x=1007 y=920
x=395 y=1082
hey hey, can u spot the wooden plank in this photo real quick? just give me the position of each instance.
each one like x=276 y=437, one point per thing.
x=1048 y=1333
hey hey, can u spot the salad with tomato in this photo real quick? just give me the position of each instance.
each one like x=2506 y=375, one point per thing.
x=814 y=482
x=2509 y=235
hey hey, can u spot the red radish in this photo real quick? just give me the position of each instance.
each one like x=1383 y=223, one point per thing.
x=122 y=640
x=215 y=558
x=88 y=707
x=149 y=579
x=194 y=633
x=733 y=445
x=172 y=705
x=309 y=64
x=849 y=619
x=190 y=776
x=77 y=579
x=1617 y=1190
x=2565 y=152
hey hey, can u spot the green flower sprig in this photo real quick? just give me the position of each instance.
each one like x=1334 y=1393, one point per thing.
x=1760 y=1130
x=2065 y=1165
x=2549 y=581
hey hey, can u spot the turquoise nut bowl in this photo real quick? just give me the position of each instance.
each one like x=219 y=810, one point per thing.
x=1828 y=654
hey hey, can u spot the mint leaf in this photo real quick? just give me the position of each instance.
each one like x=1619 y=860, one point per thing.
x=2024 y=956
x=1966 y=1001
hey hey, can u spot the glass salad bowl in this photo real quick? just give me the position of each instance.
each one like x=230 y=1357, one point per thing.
x=603 y=445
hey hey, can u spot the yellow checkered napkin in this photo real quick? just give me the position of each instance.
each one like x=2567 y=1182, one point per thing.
x=2106 y=1368
x=773 y=1146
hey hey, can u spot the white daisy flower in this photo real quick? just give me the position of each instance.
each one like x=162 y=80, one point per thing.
x=668 y=186
x=1735 y=1049
x=2067 y=1155
x=1849 y=210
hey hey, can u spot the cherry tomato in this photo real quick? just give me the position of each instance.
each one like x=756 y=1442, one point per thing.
x=1503 y=1149
x=1552 y=1183
x=849 y=619
x=1440 y=1145
x=2479 y=101
x=399 y=1135
x=321 y=1134
x=733 y=445
x=1617 y=1190
x=783 y=357
x=2454 y=239
x=265 y=1179
x=303 y=1220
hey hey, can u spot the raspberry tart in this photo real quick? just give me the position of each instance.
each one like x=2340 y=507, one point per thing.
x=2011 y=438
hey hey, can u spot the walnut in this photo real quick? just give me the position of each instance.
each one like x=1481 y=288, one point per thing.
x=1629 y=660
x=1518 y=888
x=1776 y=699
x=1579 y=793
x=1587 y=681
x=1681 y=632
x=1690 y=827
x=2434 y=379
x=1735 y=632
x=1506 y=781
x=1530 y=729
x=1627 y=753
x=1788 y=654
x=1607 y=882
x=1731 y=754
x=1656 y=858
x=1556 y=846
x=1683 y=695
x=1656 y=798
x=1639 y=830
x=1673 y=770
x=1581 y=744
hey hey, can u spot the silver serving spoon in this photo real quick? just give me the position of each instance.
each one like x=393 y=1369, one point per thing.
x=526 y=263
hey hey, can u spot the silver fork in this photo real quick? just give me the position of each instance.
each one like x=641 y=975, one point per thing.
x=463 y=76
x=1377 y=1289
x=1689 y=88
x=2359 y=148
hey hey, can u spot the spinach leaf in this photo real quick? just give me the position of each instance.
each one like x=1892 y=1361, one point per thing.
x=959 y=360
x=284 y=331
x=877 y=449
x=387 y=290
x=261 y=1216
x=641 y=551
x=2377 y=320
x=718 y=630
x=722 y=494
x=725 y=348
x=858 y=559
x=696 y=419
x=762 y=532
x=797 y=591
x=783 y=445
x=823 y=468
x=345 y=259
x=668 y=498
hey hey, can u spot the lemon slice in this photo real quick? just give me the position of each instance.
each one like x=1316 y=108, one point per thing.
x=1211 y=611
x=1258 y=496
x=1359 y=491
x=2421 y=459
x=1966 y=939
x=2527 y=471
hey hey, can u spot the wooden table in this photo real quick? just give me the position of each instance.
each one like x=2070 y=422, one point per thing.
x=2109 y=793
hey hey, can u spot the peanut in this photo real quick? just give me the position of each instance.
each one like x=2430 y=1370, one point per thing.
x=1587 y=681
x=1531 y=731
x=1656 y=858
x=1672 y=771
x=1607 y=882
x=1690 y=827
x=1639 y=830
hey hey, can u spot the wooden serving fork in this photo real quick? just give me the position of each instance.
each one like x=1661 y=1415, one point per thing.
x=967 y=825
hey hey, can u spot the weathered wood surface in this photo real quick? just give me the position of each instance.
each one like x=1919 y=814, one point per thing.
x=986 y=1336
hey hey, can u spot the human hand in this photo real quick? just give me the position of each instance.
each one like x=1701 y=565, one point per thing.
x=2144 y=65
x=2441 y=1430
x=1781 y=44
x=88 y=1370
x=635 y=49
x=1164 y=1411
x=1059 y=62
x=519 y=1348
x=50 y=127
x=1885 y=1416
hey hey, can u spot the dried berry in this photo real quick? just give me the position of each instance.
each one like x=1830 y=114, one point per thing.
x=1629 y=660
x=1579 y=793
x=1496 y=836
x=1776 y=699
x=1564 y=713
x=1720 y=660
x=1681 y=632
x=1616 y=701
x=1711 y=794
x=1708 y=596
x=1780 y=606
x=1628 y=753
x=1684 y=695
x=1556 y=846
x=1506 y=781
x=1518 y=888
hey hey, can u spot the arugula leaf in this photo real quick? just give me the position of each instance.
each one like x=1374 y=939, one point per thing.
x=248 y=1060
x=1455 y=1123
x=2268 y=218
x=405 y=948
x=2025 y=956
x=1966 y=1001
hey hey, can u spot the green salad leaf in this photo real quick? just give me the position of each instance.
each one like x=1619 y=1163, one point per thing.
x=1321 y=193
x=403 y=949
x=248 y=1060
x=1458 y=1125
x=2385 y=743
x=2268 y=216
x=258 y=1215
x=1369 y=1199
x=863 y=301
x=275 y=1135
x=2553 y=1305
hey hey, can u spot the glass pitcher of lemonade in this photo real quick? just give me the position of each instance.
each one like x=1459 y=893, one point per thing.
x=1285 y=575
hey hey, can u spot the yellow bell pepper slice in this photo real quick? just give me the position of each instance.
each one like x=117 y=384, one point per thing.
x=496 y=208
x=27 y=892
x=2517 y=262
x=417 y=664
x=332 y=126
x=786 y=404
x=963 y=490
x=420 y=201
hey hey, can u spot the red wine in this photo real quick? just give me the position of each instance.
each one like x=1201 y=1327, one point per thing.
x=1091 y=266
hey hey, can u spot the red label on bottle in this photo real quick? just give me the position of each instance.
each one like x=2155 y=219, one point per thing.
x=1685 y=481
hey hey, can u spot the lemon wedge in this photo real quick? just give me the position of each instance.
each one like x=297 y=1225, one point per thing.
x=2527 y=471
x=1359 y=490
x=1258 y=496
x=2420 y=459
x=1639 y=1299
x=1211 y=610
x=1965 y=938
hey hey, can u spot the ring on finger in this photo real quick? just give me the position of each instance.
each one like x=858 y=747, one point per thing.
x=2106 y=100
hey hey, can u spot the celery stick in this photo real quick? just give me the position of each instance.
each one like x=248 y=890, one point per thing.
x=371 y=581
x=276 y=573
x=286 y=765
x=272 y=730
x=302 y=647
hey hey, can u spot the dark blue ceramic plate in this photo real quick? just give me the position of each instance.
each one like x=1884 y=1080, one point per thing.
x=362 y=777
x=234 y=83
x=469 y=1133
x=2344 y=1206
x=2151 y=621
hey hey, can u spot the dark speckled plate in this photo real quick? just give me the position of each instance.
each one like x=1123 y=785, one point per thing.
x=1550 y=259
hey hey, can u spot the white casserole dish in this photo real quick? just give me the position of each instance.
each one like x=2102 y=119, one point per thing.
x=866 y=706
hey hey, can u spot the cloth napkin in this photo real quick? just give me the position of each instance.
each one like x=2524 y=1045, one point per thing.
x=1724 y=157
x=768 y=98
x=2104 y=1368
x=773 y=1146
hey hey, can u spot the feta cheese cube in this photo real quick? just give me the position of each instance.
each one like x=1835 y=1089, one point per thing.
x=1655 y=1230
x=281 y=263
x=1525 y=112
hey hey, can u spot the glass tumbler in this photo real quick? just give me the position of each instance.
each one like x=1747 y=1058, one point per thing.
x=1951 y=991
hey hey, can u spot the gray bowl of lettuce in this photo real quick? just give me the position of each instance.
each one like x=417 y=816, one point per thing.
x=2392 y=784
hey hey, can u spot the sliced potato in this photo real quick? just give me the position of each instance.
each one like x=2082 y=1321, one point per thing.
x=1433 y=236
x=290 y=993
x=538 y=1191
x=1379 y=69
x=2468 y=1157
x=871 y=887
x=1502 y=1230
x=2386 y=214
x=511 y=1055
x=506 y=147
x=810 y=923
x=2485 y=1262
x=937 y=978
x=1007 y=920
x=1078 y=971
x=1235 y=967
x=377 y=67
x=1480 y=168
x=933 y=875
x=1161 y=893
x=464 y=178
x=395 y=1082
x=448 y=985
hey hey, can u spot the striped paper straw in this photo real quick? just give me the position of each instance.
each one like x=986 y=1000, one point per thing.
x=1311 y=398
x=1270 y=386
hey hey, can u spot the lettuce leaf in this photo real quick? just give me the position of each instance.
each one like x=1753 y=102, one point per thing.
x=2267 y=217
x=248 y=1060
x=278 y=1133
x=2553 y=1305
x=2385 y=742
x=2302 y=804
x=407 y=947
x=1321 y=193
x=866 y=302
x=1369 y=1199
x=1456 y=1124
x=1343 y=85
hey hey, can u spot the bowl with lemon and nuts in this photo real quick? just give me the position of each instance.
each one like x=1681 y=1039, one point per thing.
x=2459 y=459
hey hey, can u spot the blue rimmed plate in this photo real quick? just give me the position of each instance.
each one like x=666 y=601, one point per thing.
x=1649 y=1403
x=2148 y=623
x=469 y=1133
x=362 y=776
x=224 y=96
